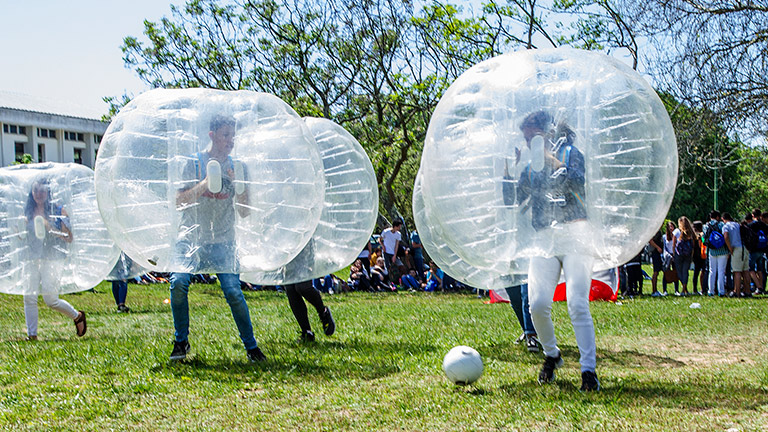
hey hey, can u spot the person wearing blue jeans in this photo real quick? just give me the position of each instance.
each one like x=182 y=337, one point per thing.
x=518 y=299
x=207 y=234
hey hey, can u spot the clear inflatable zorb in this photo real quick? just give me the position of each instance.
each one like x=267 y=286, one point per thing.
x=52 y=238
x=546 y=153
x=349 y=213
x=204 y=181
x=433 y=241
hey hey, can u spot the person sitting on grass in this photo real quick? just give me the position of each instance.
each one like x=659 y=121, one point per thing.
x=434 y=278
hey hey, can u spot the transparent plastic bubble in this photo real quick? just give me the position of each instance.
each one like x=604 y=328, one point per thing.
x=203 y=181
x=52 y=238
x=546 y=153
x=125 y=269
x=432 y=240
x=348 y=216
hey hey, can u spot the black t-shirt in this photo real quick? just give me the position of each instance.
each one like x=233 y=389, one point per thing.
x=658 y=240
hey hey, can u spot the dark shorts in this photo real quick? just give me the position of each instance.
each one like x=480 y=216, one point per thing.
x=656 y=260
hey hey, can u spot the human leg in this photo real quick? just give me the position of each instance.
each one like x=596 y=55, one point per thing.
x=578 y=278
x=180 y=304
x=230 y=285
x=120 y=292
x=543 y=274
x=516 y=301
x=720 y=263
x=30 y=314
x=62 y=306
x=298 y=307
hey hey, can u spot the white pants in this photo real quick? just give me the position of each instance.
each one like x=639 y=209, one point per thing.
x=717 y=273
x=45 y=279
x=543 y=275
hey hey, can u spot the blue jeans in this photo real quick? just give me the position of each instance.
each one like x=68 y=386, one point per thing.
x=518 y=299
x=119 y=291
x=230 y=285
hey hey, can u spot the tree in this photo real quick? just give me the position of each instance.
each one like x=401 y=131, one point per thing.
x=377 y=67
x=709 y=54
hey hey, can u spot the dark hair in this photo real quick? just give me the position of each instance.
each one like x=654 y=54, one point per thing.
x=765 y=215
x=397 y=223
x=748 y=217
x=757 y=213
x=540 y=120
x=698 y=226
x=31 y=203
x=727 y=216
x=714 y=214
x=218 y=121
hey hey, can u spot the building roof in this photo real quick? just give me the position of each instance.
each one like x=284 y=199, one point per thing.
x=20 y=101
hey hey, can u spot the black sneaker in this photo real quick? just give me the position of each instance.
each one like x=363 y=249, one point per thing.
x=255 y=355
x=547 y=373
x=123 y=308
x=329 y=325
x=532 y=343
x=180 y=350
x=306 y=336
x=589 y=381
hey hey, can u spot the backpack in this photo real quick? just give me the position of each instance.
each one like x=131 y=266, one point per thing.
x=715 y=238
x=748 y=237
x=762 y=240
x=702 y=249
x=684 y=248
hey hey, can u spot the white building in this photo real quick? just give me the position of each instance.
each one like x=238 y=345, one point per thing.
x=47 y=130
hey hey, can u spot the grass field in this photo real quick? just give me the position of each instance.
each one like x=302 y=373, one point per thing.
x=663 y=367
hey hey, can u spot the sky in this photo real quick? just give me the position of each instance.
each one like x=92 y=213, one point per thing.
x=69 y=50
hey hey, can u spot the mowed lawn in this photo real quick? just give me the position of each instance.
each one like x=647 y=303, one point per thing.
x=663 y=367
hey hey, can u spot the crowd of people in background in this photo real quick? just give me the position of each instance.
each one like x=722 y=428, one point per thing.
x=727 y=257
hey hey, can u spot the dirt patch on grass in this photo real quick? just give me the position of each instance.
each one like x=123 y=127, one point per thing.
x=704 y=354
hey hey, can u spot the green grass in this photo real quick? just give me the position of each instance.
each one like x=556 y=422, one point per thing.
x=663 y=366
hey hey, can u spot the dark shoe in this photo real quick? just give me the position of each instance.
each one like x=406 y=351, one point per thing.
x=32 y=338
x=589 y=381
x=255 y=355
x=180 y=350
x=121 y=308
x=306 y=336
x=532 y=343
x=547 y=373
x=329 y=325
x=81 y=326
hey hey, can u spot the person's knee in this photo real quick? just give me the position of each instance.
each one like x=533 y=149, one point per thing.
x=51 y=300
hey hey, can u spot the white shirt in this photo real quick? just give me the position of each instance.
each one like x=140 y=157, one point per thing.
x=389 y=238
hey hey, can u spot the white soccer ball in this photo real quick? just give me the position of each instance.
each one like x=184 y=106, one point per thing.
x=463 y=365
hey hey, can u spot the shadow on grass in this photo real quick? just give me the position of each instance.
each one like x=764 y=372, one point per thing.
x=506 y=352
x=301 y=361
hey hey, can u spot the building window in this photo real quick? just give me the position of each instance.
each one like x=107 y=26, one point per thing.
x=97 y=139
x=15 y=129
x=41 y=152
x=79 y=156
x=46 y=133
x=74 y=136
x=19 y=151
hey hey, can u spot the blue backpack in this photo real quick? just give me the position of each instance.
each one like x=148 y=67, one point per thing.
x=715 y=239
x=684 y=248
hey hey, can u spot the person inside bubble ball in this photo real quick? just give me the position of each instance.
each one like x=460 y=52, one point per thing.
x=207 y=236
x=44 y=246
x=552 y=188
